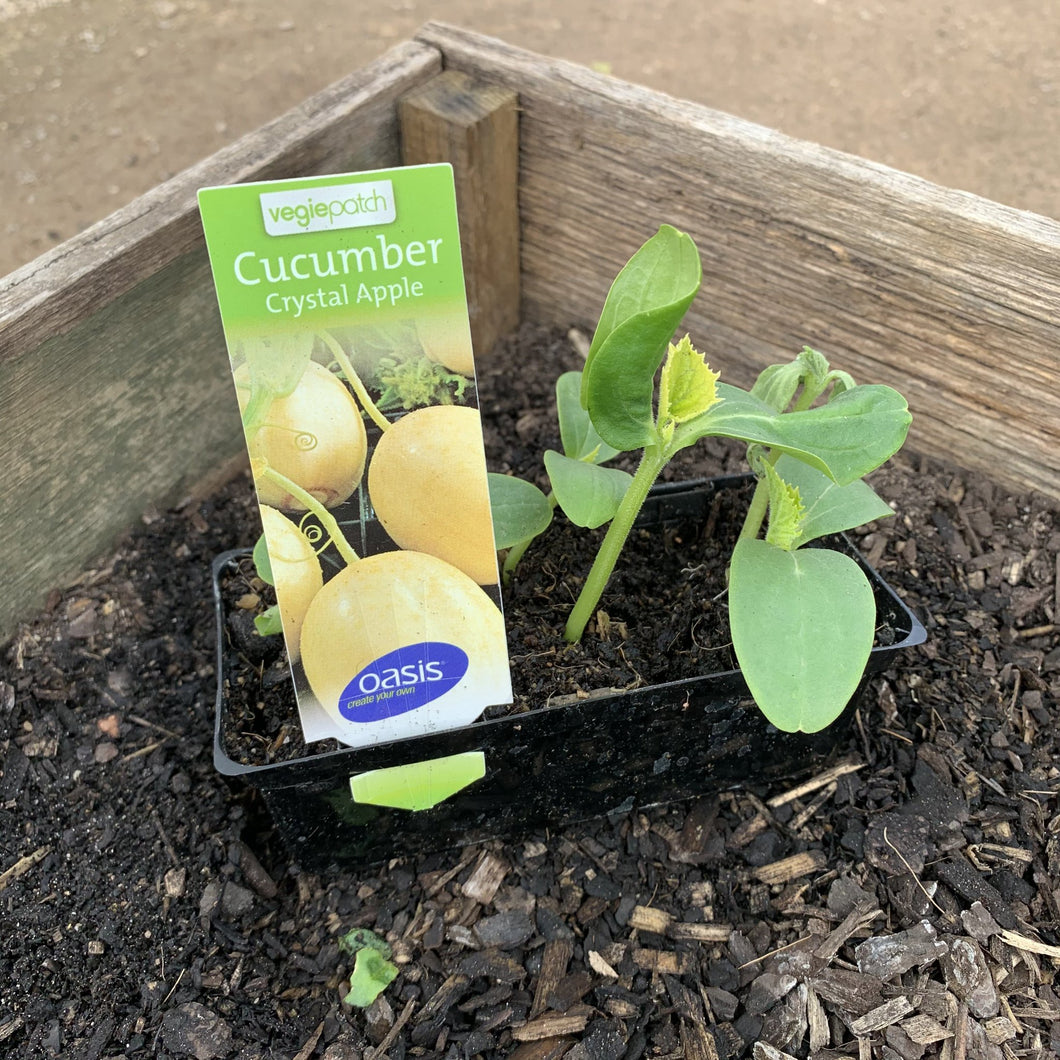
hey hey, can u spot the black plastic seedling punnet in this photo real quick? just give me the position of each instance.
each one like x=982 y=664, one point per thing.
x=555 y=765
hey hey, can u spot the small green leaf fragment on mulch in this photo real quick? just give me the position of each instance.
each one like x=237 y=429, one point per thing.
x=373 y=971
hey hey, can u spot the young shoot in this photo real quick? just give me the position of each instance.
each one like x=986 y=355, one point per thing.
x=802 y=620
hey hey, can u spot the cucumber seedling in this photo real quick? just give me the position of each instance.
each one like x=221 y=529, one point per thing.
x=802 y=620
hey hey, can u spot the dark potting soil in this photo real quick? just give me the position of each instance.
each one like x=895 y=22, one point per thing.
x=907 y=902
x=664 y=616
x=665 y=619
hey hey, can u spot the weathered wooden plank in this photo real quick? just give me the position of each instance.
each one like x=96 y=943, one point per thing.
x=950 y=297
x=351 y=125
x=475 y=127
x=114 y=385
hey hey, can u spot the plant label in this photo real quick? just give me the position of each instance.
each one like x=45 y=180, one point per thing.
x=345 y=316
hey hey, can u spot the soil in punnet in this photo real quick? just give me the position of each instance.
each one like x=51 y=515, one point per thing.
x=148 y=908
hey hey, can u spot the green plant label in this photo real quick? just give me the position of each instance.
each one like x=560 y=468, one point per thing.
x=345 y=316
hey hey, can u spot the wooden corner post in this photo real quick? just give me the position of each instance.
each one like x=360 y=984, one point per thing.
x=473 y=125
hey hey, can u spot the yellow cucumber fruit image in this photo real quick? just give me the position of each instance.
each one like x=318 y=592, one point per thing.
x=296 y=573
x=393 y=599
x=447 y=341
x=315 y=437
x=427 y=483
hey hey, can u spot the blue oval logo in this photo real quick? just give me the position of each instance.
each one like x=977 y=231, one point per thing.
x=403 y=680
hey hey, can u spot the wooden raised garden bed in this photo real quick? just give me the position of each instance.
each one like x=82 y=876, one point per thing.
x=114 y=388
x=903 y=900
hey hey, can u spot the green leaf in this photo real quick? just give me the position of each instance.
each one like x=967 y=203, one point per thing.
x=802 y=626
x=840 y=381
x=785 y=510
x=358 y=939
x=687 y=386
x=778 y=384
x=520 y=510
x=262 y=563
x=268 y=623
x=642 y=310
x=372 y=974
x=588 y=494
x=372 y=970
x=830 y=508
x=847 y=438
x=579 y=437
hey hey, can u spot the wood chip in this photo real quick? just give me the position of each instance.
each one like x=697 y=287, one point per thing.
x=645 y=918
x=447 y=995
x=999 y=1030
x=700 y=932
x=600 y=966
x=697 y=1043
x=823 y=780
x=748 y=830
x=545 y=1049
x=979 y=923
x=924 y=1030
x=553 y=1025
x=764 y=1051
x=959 y=1022
x=887 y=956
x=817 y=1022
x=800 y=820
x=882 y=1016
x=1021 y=942
x=570 y=990
x=662 y=961
x=851 y=992
x=804 y=864
x=621 y=1008
x=659 y=922
x=555 y=958
x=22 y=866
x=857 y=918
x=485 y=880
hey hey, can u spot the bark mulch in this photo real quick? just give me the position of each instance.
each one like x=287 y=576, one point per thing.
x=903 y=904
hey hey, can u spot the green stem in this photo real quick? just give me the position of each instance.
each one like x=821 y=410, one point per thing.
x=653 y=460
x=511 y=561
x=310 y=503
x=355 y=381
x=756 y=511
x=805 y=400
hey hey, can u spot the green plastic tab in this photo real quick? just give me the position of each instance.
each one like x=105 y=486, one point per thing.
x=419 y=785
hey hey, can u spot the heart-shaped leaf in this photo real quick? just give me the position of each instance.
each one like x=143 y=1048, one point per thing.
x=579 y=437
x=588 y=494
x=520 y=510
x=802 y=626
x=262 y=561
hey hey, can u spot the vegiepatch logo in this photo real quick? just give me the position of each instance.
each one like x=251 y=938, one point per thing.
x=288 y=213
